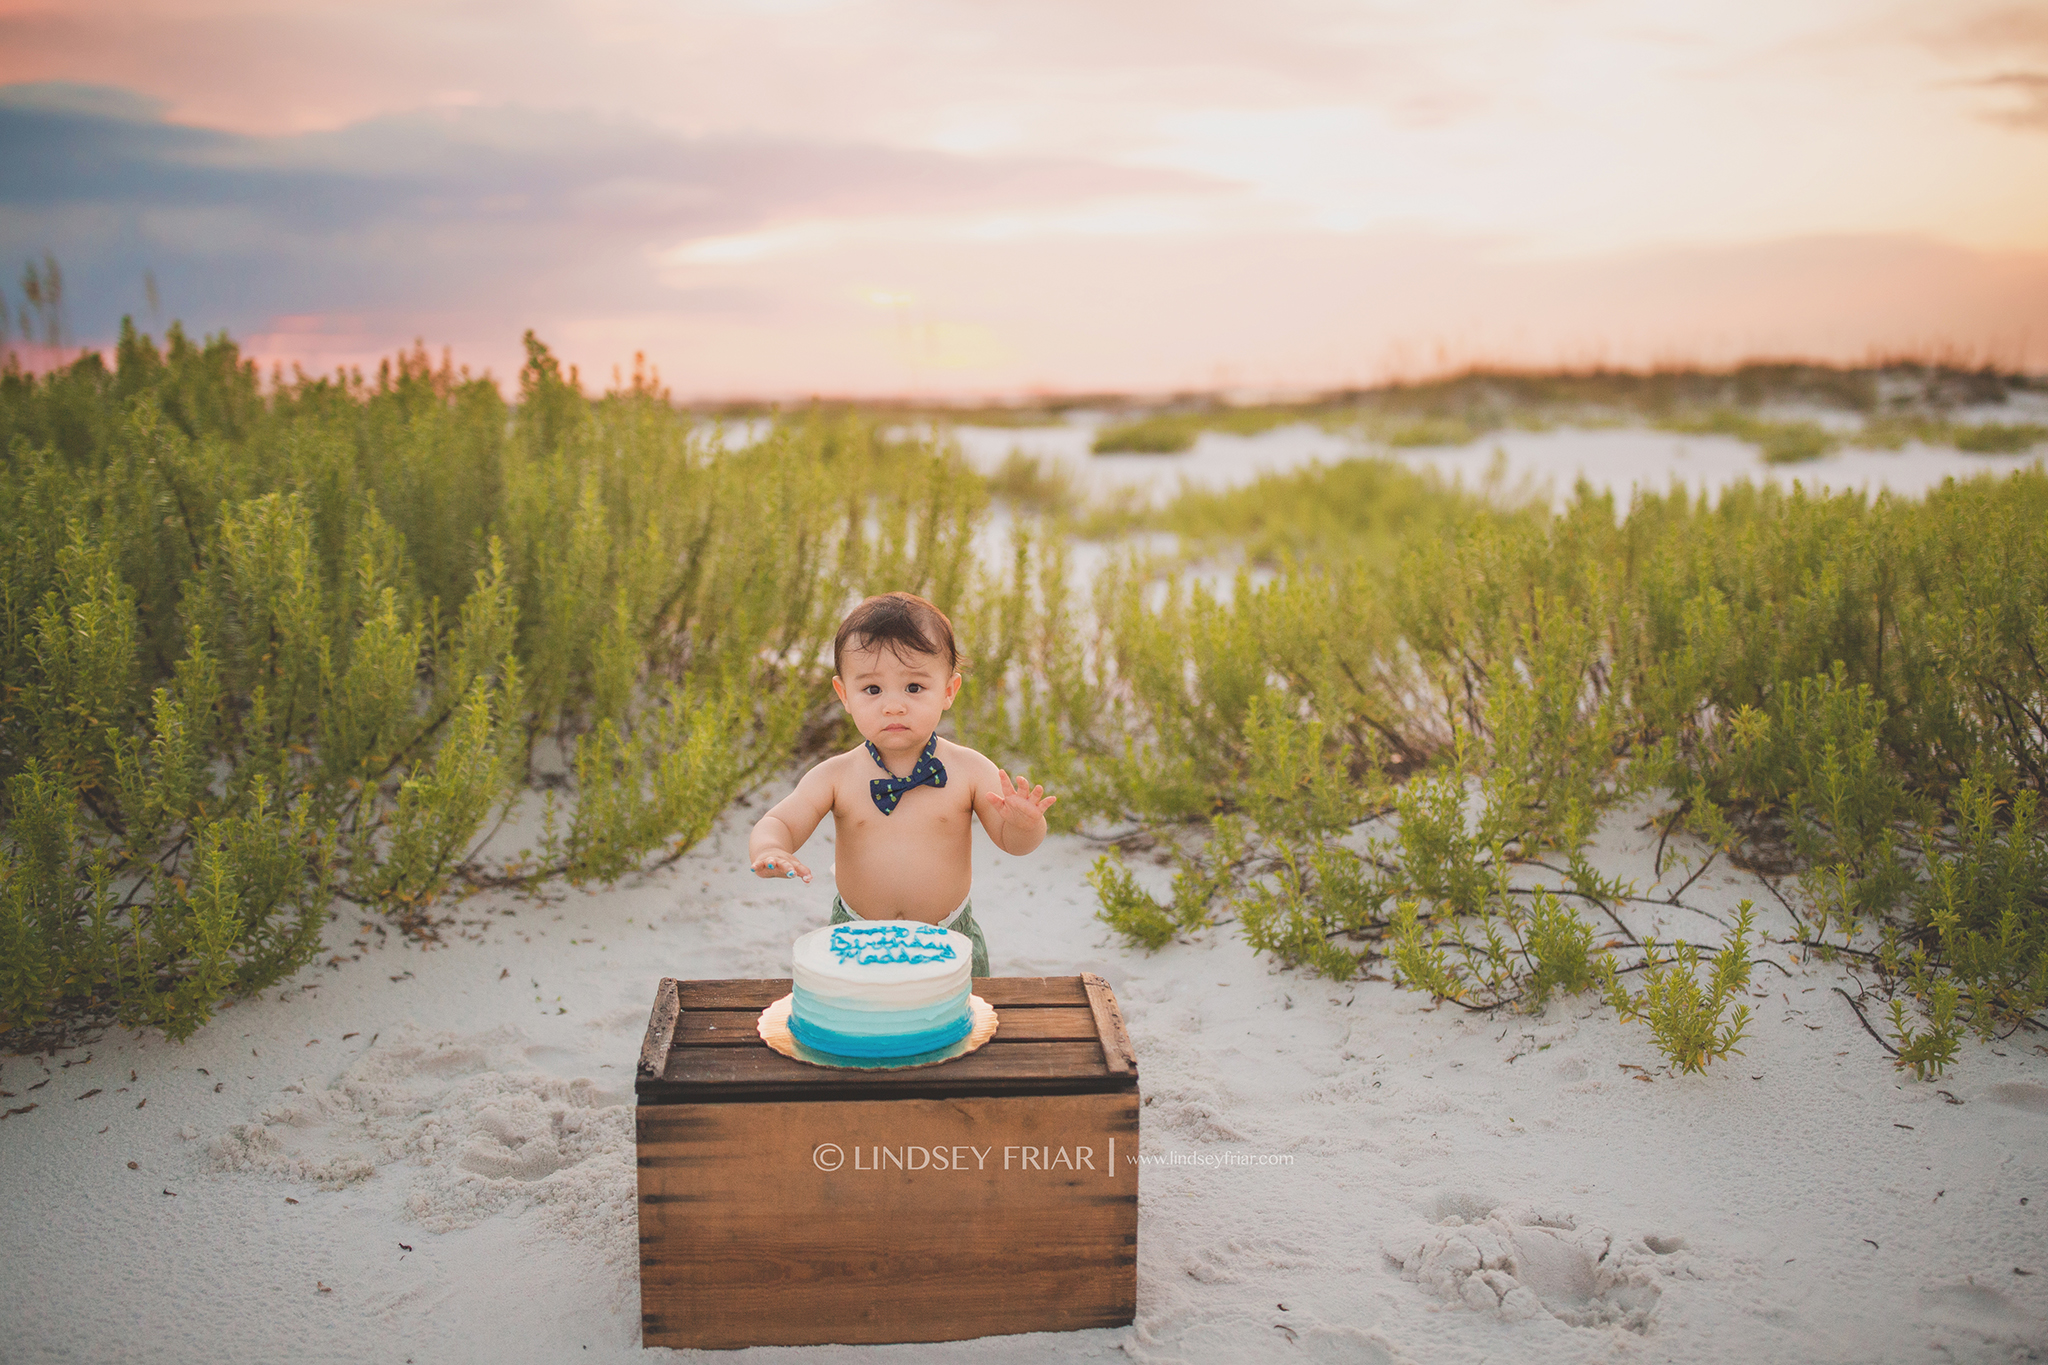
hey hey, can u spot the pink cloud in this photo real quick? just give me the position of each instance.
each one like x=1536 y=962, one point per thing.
x=879 y=195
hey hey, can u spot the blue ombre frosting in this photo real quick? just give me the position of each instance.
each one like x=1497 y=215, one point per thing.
x=888 y=1041
x=881 y=988
x=853 y=1018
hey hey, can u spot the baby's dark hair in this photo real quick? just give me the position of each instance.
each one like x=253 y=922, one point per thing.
x=900 y=620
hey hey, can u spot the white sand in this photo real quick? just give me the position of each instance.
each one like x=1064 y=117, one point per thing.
x=1802 y=1203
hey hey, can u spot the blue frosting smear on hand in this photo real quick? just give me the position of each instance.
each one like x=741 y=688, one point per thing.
x=877 y=944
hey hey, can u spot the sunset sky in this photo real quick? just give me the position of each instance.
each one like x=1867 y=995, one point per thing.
x=885 y=196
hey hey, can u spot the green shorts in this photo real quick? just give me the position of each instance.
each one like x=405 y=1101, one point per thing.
x=962 y=922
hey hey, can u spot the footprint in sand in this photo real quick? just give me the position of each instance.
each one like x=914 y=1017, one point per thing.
x=514 y=1138
x=2023 y=1095
x=1986 y=1313
x=467 y=1122
x=1522 y=1262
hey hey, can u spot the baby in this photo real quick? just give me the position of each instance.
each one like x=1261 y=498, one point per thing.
x=900 y=802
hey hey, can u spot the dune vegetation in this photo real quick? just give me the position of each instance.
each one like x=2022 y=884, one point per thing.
x=1846 y=694
x=269 y=645
x=265 y=649
x=1881 y=406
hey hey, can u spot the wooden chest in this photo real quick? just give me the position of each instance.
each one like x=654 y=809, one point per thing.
x=787 y=1204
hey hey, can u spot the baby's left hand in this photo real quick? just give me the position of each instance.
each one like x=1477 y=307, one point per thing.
x=1019 y=801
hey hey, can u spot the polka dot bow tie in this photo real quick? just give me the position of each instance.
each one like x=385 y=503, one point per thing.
x=887 y=791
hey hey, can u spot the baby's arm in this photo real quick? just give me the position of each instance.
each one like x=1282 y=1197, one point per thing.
x=1013 y=813
x=778 y=834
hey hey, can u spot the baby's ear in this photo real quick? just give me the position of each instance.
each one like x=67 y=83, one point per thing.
x=838 y=689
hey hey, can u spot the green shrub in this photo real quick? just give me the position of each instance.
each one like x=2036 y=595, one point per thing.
x=1981 y=915
x=1693 y=1024
x=1341 y=513
x=1163 y=434
x=1928 y=1051
x=1033 y=696
x=1170 y=433
x=1821 y=683
x=1031 y=484
x=1128 y=908
x=1779 y=442
x=1318 y=907
x=1794 y=442
x=261 y=649
x=1519 y=955
x=1441 y=859
x=1560 y=949
x=1989 y=438
x=1428 y=431
x=1421 y=961
x=1993 y=438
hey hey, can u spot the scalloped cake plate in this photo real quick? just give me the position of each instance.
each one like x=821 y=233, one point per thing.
x=773 y=1026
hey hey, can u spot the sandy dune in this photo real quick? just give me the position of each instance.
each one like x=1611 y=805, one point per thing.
x=427 y=1155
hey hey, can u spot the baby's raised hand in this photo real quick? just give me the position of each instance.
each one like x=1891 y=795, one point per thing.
x=780 y=865
x=1019 y=802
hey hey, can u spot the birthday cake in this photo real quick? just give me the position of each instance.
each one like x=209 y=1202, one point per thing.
x=881 y=988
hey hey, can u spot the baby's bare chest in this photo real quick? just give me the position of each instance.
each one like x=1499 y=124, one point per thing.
x=921 y=814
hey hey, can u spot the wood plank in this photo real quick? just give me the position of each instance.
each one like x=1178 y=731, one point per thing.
x=701 y=1067
x=1117 y=1053
x=739 y=994
x=661 y=1029
x=925 y=1084
x=1030 y=992
x=718 y=1028
x=1004 y=992
x=736 y=1028
x=772 y=1224
x=739 y=1065
x=1050 y=1024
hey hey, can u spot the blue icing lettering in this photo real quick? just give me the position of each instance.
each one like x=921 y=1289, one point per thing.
x=879 y=944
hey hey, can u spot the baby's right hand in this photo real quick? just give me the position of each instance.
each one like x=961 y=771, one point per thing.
x=780 y=865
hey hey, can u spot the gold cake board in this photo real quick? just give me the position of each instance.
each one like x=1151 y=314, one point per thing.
x=773 y=1027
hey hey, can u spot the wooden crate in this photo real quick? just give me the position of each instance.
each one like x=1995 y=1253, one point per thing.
x=790 y=1205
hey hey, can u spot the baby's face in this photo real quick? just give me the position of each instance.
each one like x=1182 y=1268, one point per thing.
x=895 y=700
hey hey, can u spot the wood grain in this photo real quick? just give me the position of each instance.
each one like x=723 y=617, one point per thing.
x=1117 y=1053
x=661 y=1029
x=748 y=1239
x=725 y=1066
x=735 y=1028
x=1031 y=992
x=1053 y=1039
x=1004 y=992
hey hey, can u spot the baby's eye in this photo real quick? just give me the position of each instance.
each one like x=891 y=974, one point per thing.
x=872 y=690
x=914 y=687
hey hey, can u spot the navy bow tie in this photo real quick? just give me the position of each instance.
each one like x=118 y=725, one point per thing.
x=887 y=791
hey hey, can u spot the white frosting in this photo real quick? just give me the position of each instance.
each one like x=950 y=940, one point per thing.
x=819 y=971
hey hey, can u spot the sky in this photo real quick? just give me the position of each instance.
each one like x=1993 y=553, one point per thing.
x=780 y=198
